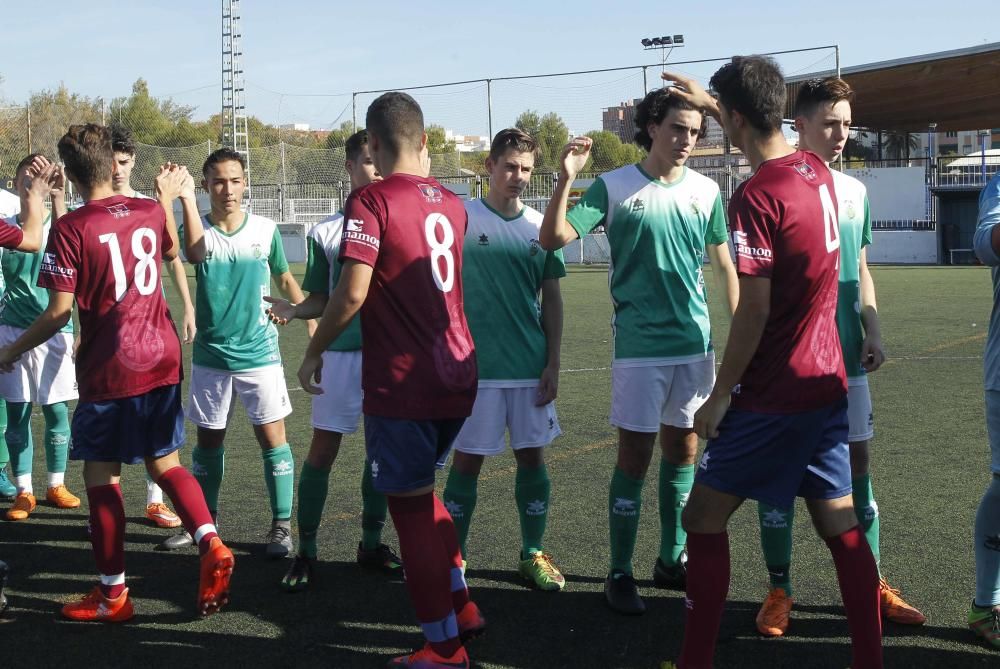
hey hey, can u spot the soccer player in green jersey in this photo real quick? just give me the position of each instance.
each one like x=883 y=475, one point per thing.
x=823 y=121
x=337 y=411
x=236 y=254
x=44 y=376
x=157 y=511
x=517 y=348
x=661 y=219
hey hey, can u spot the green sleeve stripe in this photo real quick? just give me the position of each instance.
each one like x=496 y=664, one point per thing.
x=591 y=210
x=276 y=259
x=317 y=277
x=717 y=233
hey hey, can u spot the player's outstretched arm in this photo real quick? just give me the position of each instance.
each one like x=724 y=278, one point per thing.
x=170 y=183
x=42 y=176
x=692 y=92
x=178 y=276
x=290 y=288
x=872 y=354
x=58 y=195
x=986 y=240
x=282 y=311
x=725 y=274
x=48 y=323
x=556 y=232
x=552 y=324
x=744 y=337
x=345 y=301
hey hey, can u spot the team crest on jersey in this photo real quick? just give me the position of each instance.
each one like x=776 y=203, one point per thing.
x=256 y=250
x=850 y=210
x=431 y=193
x=484 y=240
x=118 y=211
x=805 y=170
x=695 y=205
x=535 y=247
x=637 y=206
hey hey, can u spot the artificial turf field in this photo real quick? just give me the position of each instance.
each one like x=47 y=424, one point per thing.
x=930 y=465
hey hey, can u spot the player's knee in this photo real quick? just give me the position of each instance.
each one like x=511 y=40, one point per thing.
x=635 y=451
x=529 y=458
x=468 y=464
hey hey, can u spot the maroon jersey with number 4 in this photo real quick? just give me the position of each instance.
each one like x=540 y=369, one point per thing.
x=785 y=227
x=108 y=253
x=418 y=360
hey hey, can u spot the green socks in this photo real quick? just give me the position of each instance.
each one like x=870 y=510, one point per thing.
x=460 y=500
x=624 y=504
x=532 y=490
x=313 y=485
x=56 y=437
x=279 y=475
x=675 y=487
x=776 y=540
x=867 y=511
x=208 y=465
x=374 y=507
x=18 y=437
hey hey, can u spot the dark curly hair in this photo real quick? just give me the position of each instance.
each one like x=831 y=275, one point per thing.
x=754 y=87
x=653 y=109
x=121 y=139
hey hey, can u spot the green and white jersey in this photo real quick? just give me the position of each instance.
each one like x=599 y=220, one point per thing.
x=234 y=332
x=323 y=271
x=503 y=267
x=23 y=301
x=855 y=234
x=658 y=234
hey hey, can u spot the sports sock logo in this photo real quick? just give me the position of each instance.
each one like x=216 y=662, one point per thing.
x=871 y=512
x=689 y=604
x=374 y=469
x=199 y=469
x=625 y=507
x=775 y=520
x=992 y=543
x=682 y=499
x=536 y=508
x=283 y=468
x=704 y=461
x=454 y=508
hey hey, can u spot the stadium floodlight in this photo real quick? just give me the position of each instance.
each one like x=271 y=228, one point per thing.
x=647 y=42
x=656 y=41
x=665 y=40
x=678 y=40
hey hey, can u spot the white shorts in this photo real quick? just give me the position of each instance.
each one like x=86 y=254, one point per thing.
x=262 y=392
x=44 y=375
x=859 y=410
x=338 y=409
x=643 y=398
x=500 y=409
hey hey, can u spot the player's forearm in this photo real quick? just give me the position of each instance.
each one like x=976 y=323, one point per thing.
x=556 y=232
x=178 y=276
x=48 y=323
x=289 y=287
x=744 y=338
x=552 y=324
x=726 y=278
x=194 y=232
x=869 y=310
x=170 y=228
x=340 y=309
x=311 y=307
x=58 y=206
x=32 y=216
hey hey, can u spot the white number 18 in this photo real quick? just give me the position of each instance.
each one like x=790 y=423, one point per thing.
x=145 y=268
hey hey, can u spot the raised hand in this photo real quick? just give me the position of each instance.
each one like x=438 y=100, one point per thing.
x=170 y=181
x=691 y=91
x=574 y=156
x=281 y=311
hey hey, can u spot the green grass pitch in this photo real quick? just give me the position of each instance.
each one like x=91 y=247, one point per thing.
x=930 y=465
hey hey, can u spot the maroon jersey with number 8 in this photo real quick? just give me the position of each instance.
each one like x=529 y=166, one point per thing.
x=108 y=253
x=418 y=360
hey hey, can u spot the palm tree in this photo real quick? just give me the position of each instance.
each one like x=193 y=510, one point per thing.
x=899 y=144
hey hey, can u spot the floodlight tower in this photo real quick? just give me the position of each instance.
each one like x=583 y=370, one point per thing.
x=234 y=111
x=665 y=44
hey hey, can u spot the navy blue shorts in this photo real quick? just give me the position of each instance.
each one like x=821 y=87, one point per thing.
x=406 y=454
x=130 y=429
x=773 y=458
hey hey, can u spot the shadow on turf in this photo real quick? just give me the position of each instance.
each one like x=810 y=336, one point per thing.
x=356 y=618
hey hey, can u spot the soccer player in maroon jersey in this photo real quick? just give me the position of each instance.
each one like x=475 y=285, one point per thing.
x=776 y=420
x=106 y=256
x=402 y=268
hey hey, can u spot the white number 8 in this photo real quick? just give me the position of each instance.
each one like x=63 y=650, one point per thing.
x=441 y=249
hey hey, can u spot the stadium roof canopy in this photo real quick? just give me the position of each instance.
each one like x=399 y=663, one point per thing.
x=958 y=90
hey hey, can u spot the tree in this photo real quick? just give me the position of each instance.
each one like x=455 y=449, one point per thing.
x=52 y=112
x=529 y=122
x=338 y=137
x=551 y=134
x=437 y=143
x=900 y=144
x=608 y=152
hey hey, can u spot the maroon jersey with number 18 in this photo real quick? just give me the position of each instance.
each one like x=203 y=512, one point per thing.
x=418 y=360
x=785 y=227
x=108 y=253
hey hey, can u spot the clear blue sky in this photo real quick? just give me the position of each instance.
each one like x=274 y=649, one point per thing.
x=299 y=54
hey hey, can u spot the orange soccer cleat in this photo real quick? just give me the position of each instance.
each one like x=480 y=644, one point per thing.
x=61 y=497
x=216 y=570
x=96 y=607
x=772 y=619
x=23 y=505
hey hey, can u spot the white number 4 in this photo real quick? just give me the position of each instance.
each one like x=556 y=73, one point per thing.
x=145 y=268
x=830 y=223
